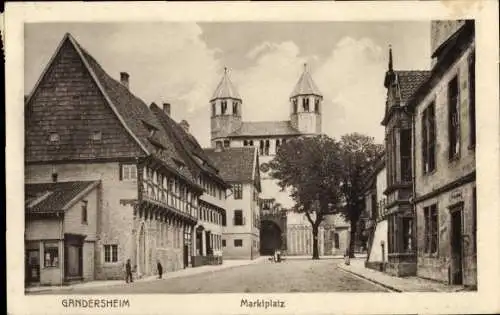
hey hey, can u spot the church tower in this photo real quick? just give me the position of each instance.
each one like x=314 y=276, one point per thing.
x=305 y=105
x=225 y=105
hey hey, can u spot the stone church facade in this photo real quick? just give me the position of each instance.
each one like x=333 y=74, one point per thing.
x=280 y=228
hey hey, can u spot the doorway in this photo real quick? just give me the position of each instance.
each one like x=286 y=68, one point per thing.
x=456 y=268
x=32 y=273
x=270 y=238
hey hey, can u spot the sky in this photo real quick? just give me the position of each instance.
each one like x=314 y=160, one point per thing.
x=181 y=63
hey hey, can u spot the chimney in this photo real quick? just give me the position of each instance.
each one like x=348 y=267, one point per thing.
x=166 y=108
x=124 y=78
x=185 y=125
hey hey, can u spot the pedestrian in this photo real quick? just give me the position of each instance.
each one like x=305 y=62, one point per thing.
x=347 y=259
x=128 y=272
x=160 y=269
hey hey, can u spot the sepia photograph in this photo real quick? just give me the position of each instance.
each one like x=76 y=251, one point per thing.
x=250 y=157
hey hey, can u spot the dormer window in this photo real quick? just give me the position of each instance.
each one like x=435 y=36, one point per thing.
x=54 y=137
x=96 y=136
x=151 y=129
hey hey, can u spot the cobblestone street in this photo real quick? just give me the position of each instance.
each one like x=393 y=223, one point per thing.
x=301 y=275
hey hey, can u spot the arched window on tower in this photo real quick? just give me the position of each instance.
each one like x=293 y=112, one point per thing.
x=250 y=142
x=261 y=147
x=235 y=108
x=294 y=103
x=305 y=104
x=266 y=149
x=223 y=107
x=213 y=109
x=316 y=105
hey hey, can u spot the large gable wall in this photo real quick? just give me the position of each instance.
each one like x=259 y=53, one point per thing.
x=68 y=101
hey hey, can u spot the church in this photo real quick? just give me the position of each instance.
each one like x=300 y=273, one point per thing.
x=280 y=228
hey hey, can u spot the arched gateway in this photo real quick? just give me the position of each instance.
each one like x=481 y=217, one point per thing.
x=272 y=233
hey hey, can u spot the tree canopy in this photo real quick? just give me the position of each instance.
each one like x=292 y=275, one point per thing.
x=326 y=176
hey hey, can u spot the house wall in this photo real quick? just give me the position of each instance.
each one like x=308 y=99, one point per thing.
x=247 y=232
x=115 y=223
x=446 y=172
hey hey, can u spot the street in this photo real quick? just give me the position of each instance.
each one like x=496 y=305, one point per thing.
x=295 y=275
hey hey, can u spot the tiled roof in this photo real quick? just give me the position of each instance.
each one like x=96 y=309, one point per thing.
x=54 y=197
x=265 y=128
x=235 y=164
x=187 y=143
x=305 y=85
x=225 y=88
x=133 y=114
x=409 y=81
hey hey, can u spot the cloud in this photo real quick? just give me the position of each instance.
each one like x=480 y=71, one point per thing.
x=351 y=79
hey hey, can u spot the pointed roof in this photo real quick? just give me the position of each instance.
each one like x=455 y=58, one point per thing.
x=134 y=115
x=225 y=88
x=305 y=85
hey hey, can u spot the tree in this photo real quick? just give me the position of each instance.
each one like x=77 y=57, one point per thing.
x=311 y=167
x=359 y=154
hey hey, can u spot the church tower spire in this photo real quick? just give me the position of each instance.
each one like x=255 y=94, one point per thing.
x=225 y=105
x=305 y=102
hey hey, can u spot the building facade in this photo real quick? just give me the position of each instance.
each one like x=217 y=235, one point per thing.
x=445 y=165
x=241 y=227
x=61 y=231
x=83 y=125
x=400 y=85
x=229 y=130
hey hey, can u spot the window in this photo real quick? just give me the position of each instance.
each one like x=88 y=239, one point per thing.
x=294 y=103
x=336 y=240
x=235 y=108
x=213 y=109
x=218 y=145
x=266 y=148
x=226 y=143
x=245 y=143
x=407 y=235
x=51 y=254
x=405 y=153
x=238 y=191
x=96 y=136
x=238 y=243
x=223 y=243
x=128 y=172
x=429 y=139
x=238 y=217
x=277 y=144
x=316 y=105
x=223 y=107
x=431 y=229
x=84 y=211
x=224 y=219
x=250 y=142
x=453 y=119
x=472 y=98
x=110 y=253
x=54 y=137
x=305 y=104
x=374 y=206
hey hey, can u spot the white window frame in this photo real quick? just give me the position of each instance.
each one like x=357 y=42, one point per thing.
x=129 y=172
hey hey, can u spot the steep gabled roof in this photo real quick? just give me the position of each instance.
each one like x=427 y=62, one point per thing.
x=265 y=128
x=187 y=143
x=225 y=88
x=305 y=85
x=55 y=197
x=134 y=115
x=409 y=81
x=235 y=164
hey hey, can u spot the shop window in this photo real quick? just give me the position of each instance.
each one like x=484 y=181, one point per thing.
x=51 y=254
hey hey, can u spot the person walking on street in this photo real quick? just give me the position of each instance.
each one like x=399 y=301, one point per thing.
x=128 y=271
x=160 y=269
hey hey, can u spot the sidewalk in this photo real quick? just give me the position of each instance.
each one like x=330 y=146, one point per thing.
x=292 y=257
x=169 y=275
x=398 y=284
